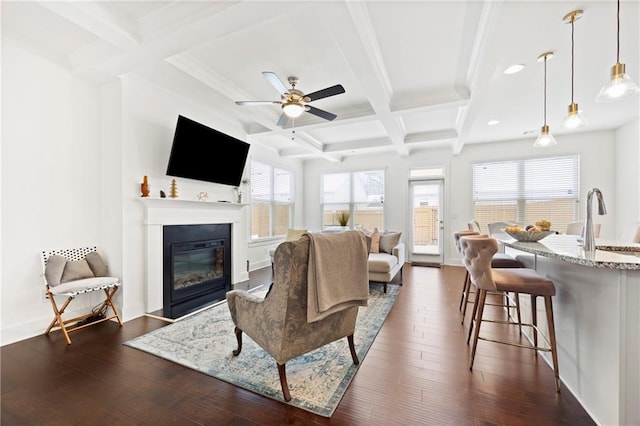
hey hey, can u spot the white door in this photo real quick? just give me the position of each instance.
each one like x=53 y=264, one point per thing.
x=427 y=225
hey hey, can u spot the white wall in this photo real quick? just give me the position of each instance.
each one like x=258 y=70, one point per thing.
x=627 y=172
x=597 y=163
x=51 y=182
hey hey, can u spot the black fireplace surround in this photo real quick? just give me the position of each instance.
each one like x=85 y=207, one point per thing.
x=196 y=266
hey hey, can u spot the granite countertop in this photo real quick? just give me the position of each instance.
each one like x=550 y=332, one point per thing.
x=608 y=254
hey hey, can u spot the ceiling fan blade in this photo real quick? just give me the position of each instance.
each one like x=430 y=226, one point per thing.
x=275 y=82
x=257 y=102
x=283 y=120
x=325 y=93
x=320 y=113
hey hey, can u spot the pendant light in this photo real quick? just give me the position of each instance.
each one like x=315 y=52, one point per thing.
x=574 y=118
x=545 y=138
x=620 y=86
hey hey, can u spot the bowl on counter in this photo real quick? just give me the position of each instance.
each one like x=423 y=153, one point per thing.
x=528 y=236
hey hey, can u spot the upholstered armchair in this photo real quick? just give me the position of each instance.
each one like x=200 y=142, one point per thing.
x=279 y=323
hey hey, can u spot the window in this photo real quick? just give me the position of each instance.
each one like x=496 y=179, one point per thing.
x=361 y=194
x=527 y=191
x=271 y=200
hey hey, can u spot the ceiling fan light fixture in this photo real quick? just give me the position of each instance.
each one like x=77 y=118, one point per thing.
x=545 y=138
x=620 y=85
x=292 y=109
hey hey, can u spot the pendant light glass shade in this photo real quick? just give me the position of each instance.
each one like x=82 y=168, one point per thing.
x=574 y=118
x=545 y=138
x=620 y=85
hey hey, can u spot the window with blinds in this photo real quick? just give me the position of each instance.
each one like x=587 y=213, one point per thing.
x=360 y=194
x=271 y=200
x=527 y=191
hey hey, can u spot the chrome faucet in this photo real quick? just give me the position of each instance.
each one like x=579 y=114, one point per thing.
x=589 y=239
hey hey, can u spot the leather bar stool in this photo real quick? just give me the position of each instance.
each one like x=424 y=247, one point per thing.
x=478 y=252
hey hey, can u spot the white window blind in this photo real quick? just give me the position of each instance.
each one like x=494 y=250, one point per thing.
x=271 y=200
x=361 y=194
x=527 y=191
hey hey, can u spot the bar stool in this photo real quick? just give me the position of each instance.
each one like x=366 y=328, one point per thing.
x=499 y=260
x=478 y=252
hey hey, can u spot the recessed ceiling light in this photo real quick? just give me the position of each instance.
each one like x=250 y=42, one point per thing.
x=514 y=69
x=493 y=122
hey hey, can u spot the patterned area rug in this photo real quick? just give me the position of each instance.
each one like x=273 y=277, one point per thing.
x=317 y=380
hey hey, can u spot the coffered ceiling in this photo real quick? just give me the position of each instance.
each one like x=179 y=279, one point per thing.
x=417 y=74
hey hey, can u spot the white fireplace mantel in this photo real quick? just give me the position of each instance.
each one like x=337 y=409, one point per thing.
x=159 y=212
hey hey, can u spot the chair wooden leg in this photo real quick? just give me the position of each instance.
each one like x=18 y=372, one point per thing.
x=109 y=303
x=482 y=295
x=465 y=289
x=518 y=315
x=473 y=315
x=57 y=320
x=534 y=321
x=352 y=348
x=552 y=339
x=283 y=382
x=466 y=300
x=238 y=333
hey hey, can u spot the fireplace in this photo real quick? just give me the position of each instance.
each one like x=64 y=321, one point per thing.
x=196 y=266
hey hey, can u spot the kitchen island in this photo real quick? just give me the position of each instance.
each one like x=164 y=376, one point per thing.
x=597 y=320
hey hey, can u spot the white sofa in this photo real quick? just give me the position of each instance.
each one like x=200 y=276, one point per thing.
x=383 y=267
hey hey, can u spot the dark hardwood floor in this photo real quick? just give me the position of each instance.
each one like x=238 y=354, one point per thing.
x=414 y=374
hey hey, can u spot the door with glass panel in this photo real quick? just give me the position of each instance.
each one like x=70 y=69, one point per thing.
x=427 y=224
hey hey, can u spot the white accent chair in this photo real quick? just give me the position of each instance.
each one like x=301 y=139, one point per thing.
x=72 y=272
x=575 y=228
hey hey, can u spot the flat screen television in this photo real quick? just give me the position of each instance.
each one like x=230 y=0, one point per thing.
x=202 y=153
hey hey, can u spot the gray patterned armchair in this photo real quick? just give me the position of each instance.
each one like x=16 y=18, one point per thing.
x=279 y=323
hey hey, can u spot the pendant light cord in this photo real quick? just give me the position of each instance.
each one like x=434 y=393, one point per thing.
x=573 y=18
x=618 y=36
x=545 y=91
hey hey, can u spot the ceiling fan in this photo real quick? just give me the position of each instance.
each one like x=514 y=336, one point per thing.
x=293 y=101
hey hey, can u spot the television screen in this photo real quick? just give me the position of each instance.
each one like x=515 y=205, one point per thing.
x=202 y=153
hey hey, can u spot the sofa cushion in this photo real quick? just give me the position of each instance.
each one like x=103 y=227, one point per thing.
x=375 y=240
x=388 y=240
x=381 y=262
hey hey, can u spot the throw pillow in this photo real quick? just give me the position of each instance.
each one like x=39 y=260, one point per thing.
x=389 y=240
x=375 y=241
x=76 y=270
x=97 y=265
x=54 y=269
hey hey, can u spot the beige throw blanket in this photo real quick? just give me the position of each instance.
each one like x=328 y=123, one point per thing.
x=338 y=273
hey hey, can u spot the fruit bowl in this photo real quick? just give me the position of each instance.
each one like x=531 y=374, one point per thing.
x=528 y=236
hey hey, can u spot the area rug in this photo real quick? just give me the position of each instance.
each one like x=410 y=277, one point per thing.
x=317 y=380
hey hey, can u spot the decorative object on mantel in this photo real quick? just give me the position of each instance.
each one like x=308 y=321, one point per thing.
x=239 y=192
x=162 y=194
x=202 y=196
x=173 y=192
x=144 y=186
